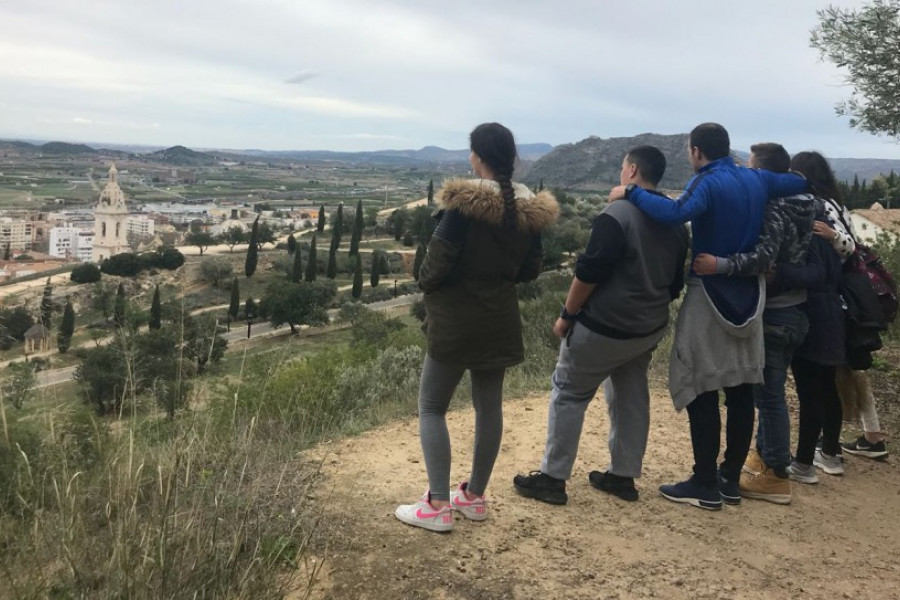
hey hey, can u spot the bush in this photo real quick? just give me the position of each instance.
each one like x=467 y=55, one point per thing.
x=129 y=264
x=86 y=273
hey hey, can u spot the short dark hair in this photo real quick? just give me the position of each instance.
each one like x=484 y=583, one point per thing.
x=818 y=173
x=712 y=139
x=771 y=157
x=649 y=160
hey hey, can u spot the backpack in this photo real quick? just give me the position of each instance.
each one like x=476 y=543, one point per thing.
x=865 y=277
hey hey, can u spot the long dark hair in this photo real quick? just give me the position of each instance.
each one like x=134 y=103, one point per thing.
x=818 y=173
x=495 y=145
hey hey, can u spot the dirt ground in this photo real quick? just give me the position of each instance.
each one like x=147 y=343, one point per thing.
x=838 y=539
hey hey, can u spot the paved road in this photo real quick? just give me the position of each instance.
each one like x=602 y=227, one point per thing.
x=238 y=332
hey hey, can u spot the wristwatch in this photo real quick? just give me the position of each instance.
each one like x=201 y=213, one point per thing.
x=566 y=315
x=629 y=188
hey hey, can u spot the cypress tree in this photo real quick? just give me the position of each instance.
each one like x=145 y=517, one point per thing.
x=66 y=328
x=7 y=253
x=47 y=306
x=291 y=244
x=541 y=185
x=320 y=226
x=252 y=250
x=417 y=263
x=339 y=222
x=297 y=271
x=430 y=192
x=119 y=309
x=235 y=305
x=331 y=271
x=356 y=292
x=376 y=268
x=336 y=228
x=311 y=266
x=155 y=311
x=250 y=313
x=356 y=235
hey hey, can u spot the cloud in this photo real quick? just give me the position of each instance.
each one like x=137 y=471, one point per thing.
x=304 y=75
x=413 y=72
x=82 y=121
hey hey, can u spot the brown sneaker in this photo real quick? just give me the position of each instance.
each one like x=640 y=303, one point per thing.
x=766 y=486
x=754 y=465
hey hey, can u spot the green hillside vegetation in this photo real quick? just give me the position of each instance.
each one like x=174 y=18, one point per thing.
x=594 y=163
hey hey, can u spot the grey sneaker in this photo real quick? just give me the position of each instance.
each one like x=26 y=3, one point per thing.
x=833 y=465
x=802 y=473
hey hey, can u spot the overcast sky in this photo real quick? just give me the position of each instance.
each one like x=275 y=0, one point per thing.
x=369 y=74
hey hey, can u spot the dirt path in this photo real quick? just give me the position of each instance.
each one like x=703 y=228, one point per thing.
x=839 y=539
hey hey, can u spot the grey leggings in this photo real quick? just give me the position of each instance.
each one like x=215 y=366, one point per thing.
x=436 y=388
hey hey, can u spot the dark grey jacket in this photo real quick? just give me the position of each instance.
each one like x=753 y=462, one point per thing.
x=638 y=266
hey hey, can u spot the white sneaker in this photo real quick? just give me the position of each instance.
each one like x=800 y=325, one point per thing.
x=474 y=510
x=832 y=465
x=423 y=514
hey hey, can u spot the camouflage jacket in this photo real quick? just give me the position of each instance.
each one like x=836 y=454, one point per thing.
x=786 y=232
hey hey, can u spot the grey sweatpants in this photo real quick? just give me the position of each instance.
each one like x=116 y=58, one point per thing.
x=436 y=388
x=587 y=359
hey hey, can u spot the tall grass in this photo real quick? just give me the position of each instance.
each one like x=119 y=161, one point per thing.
x=214 y=503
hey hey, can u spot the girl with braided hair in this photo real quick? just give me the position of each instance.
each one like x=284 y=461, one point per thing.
x=488 y=239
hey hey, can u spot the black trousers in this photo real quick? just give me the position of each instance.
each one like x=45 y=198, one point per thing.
x=706 y=432
x=820 y=409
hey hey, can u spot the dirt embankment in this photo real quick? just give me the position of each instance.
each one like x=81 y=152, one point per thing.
x=838 y=539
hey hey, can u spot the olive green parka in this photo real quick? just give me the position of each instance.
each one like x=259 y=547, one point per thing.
x=470 y=272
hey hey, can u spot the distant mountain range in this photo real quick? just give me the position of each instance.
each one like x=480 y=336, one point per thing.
x=592 y=163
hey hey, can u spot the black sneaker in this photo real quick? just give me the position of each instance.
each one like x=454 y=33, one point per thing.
x=730 y=490
x=693 y=493
x=541 y=487
x=863 y=447
x=621 y=487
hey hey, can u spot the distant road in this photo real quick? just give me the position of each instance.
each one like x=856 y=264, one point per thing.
x=238 y=332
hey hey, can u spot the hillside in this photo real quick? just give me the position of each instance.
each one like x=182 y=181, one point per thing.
x=594 y=163
x=181 y=156
x=864 y=168
x=64 y=148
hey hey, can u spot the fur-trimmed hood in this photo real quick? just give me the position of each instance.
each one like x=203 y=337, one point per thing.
x=480 y=199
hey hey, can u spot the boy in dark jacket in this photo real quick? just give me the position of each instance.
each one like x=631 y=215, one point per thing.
x=616 y=312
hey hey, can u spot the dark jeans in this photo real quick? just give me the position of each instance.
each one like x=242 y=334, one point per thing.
x=820 y=409
x=784 y=330
x=706 y=432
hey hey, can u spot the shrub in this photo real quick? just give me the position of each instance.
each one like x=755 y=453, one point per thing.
x=86 y=273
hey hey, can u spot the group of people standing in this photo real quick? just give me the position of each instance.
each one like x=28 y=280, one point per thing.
x=762 y=295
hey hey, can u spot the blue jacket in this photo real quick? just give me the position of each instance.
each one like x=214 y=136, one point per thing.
x=725 y=204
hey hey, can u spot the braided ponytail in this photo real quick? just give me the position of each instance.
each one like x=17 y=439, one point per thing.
x=510 y=218
x=494 y=144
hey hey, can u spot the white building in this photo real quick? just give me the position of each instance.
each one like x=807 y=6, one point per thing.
x=63 y=241
x=72 y=242
x=142 y=226
x=110 y=221
x=85 y=246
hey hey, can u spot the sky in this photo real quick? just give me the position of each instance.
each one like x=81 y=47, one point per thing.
x=369 y=74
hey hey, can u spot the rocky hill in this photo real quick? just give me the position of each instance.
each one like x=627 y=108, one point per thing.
x=594 y=163
x=183 y=157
